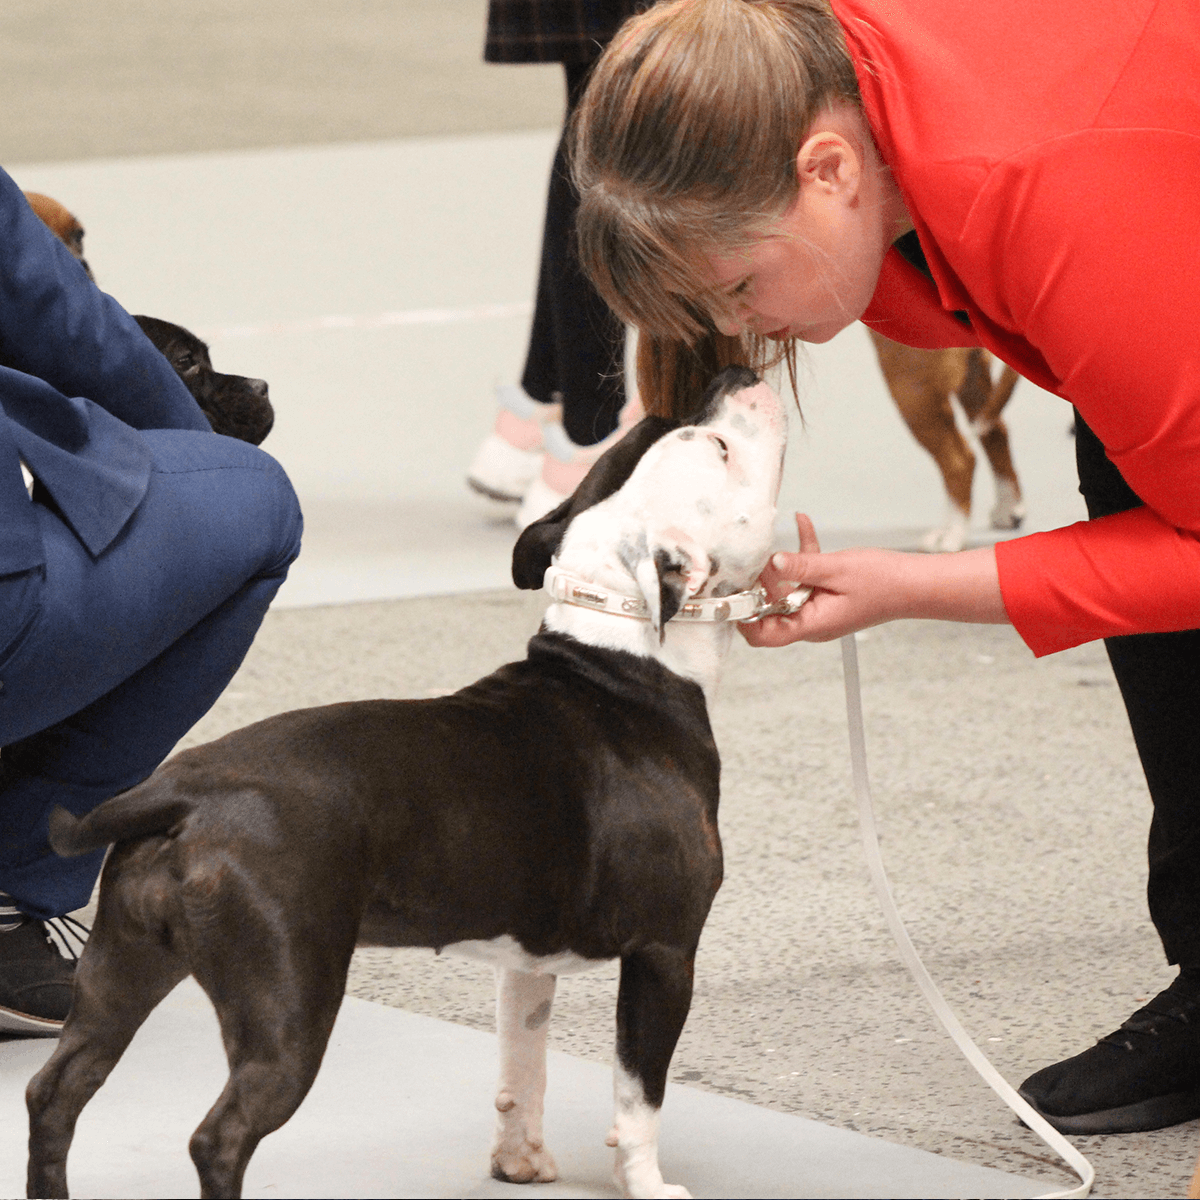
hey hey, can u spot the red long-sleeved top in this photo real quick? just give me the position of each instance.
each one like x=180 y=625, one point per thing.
x=1049 y=154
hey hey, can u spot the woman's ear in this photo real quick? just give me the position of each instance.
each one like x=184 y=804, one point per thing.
x=829 y=163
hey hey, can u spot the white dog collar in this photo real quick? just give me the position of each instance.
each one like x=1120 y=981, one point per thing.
x=751 y=605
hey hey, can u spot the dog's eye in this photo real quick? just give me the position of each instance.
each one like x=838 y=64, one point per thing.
x=724 y=449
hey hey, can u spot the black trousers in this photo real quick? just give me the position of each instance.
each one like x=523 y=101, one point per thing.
x=576 y=344
x=1159 y=678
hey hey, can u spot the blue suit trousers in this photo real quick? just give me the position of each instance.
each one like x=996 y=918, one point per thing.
x=110 y=659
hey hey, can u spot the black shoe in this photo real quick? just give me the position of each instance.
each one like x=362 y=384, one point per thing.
x=35 y=979
x=1144 y=1076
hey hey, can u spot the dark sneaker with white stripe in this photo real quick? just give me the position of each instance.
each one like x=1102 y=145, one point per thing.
x=1144 y=1076
x=35 y=979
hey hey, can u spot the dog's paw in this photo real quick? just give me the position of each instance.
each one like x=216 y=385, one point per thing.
x=648 y=1185
x=951 y=535
x=1009 y=511
x=946 y=539
x=528 y=1162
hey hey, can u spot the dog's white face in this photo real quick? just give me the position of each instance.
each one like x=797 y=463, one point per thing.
x=698 y=511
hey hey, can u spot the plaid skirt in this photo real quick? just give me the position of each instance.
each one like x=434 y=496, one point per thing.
x=566 y=31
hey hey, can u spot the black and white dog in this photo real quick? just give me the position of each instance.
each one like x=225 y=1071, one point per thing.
x=557 y=814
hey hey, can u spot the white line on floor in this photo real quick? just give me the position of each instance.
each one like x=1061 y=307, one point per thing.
x=412 y=316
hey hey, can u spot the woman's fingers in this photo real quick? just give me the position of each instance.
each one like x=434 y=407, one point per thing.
x=808 y=535
x=852 y=589
x=783 y=572
x=855 y=589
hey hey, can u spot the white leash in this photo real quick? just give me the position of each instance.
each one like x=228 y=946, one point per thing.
x=975 y=1056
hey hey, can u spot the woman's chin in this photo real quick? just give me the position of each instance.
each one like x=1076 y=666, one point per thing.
x=818 y=335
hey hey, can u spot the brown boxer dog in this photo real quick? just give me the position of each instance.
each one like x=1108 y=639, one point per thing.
x=921 y=383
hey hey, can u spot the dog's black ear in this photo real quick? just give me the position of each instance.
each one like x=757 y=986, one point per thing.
x=537 y=545
x=667 y=573
x=539 y=541
x=672 y=587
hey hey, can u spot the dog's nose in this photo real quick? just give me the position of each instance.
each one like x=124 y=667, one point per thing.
x=258 y=387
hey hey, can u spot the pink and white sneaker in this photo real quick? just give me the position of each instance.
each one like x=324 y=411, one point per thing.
x=509 y=458
x=564 y=464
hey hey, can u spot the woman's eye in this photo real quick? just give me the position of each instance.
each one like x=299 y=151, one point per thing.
x=742 y=288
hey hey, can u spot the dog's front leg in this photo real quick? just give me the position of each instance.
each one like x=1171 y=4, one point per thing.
x=523 y=1003
x=652 y=1006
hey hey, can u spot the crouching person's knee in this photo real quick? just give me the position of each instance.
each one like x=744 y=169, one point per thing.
x=280 y=511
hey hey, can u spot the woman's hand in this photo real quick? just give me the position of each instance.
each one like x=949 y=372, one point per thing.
x=855 y=589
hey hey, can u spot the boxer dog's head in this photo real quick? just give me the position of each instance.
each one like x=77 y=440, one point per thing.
x=234 y=405
x=673 y=512
x=61 y=223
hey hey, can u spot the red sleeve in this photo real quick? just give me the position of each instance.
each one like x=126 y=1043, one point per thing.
x=1097 y=241
x=1090 y=580
x=906 y=308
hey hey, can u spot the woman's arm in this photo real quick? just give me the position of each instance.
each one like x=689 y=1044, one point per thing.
x=855 y=589
x=1097 y=237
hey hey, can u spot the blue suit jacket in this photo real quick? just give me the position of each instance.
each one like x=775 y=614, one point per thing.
x=82 y=380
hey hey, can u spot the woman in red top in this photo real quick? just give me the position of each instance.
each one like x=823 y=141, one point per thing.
x=1023 y=176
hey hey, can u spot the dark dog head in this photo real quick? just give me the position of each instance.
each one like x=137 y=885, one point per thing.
x=672 y=513
x=234 y=405
x=539 y=542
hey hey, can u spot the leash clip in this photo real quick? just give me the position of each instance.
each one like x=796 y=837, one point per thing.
x=786 y=607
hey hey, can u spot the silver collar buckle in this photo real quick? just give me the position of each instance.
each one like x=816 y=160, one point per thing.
x=784 y=607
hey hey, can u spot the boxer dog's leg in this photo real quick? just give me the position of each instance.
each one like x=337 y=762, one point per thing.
x=983 y=401
x=523 y=1002
x=652 y=1006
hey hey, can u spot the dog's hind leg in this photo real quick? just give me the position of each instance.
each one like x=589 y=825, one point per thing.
x=123 y=973
x=652 y=1006
x=276 y=991
x=930 y=418
x=523 y=1002
x=983 y=402
x=921 y=383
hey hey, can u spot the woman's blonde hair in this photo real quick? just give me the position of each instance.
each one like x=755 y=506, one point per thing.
x=683 y=145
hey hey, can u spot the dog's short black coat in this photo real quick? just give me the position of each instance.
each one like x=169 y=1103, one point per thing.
x=543 y=770
x=235 y=405
x=567 y=801
x=539 y=541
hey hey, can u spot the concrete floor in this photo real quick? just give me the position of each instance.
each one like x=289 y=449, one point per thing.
x=402 y=1107
x=295 y=168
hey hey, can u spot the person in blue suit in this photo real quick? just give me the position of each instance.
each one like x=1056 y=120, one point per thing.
x=135 y=570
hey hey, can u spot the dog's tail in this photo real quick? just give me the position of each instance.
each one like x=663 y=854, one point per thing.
x=151 y=807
